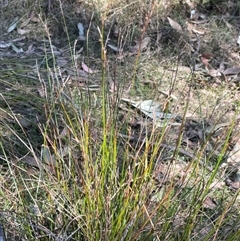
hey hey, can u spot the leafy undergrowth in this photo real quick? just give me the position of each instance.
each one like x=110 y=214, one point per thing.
x=104 y=138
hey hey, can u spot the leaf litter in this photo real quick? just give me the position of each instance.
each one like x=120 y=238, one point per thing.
x=87 y=69
x=140 y=45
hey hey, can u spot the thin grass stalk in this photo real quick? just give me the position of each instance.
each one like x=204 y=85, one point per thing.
x=145 y=26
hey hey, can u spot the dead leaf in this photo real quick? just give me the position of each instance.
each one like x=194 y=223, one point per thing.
x=205 y=57
x=41 y=92
x=81 y=32
x=13 y=25
x=140 y=45
x=79 y=51
x=151 y=109
x=16 y=49
x=4 y=44
x=209 y=203
x=190 y=26
x=122 y=55
x=35 y=162
x=87 y=69
x=213 y=72
x=217 y=185
x=233 y=70
x=175 y=25
x=230 y=26
x=116 y=49
x=46 y=156
x=35 y=19
x=112 y=85
x=64 y=133
x=158 y=196
x=30 y=161
x=22 y=31
x=25 y=23
x=30 y=49
x=198 y=31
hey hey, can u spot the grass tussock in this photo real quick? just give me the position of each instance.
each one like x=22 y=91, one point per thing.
x=80 y=161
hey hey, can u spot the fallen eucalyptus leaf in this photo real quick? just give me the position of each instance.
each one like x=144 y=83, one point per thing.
x=16 y=49
x=147 y=105
x=25 y=23
x=46 y=156
x=152 y=110
x=140 y=45
x=230 y=26
x=87 y=69
x=4 y=45
x=213 y=72
x=159 y=195
x=217 y=185
x=233 y=70
x=13 y=26
x=205 y=58
x=79 y=51
x=41 y=92
x=35 y=19
x=116 y=49
x=30 y=49
x=65 y=132
x=198 y=31
x=209 y=203
x=175 y=25
x=31 y=161
x=22 y=31
x=112 y=85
